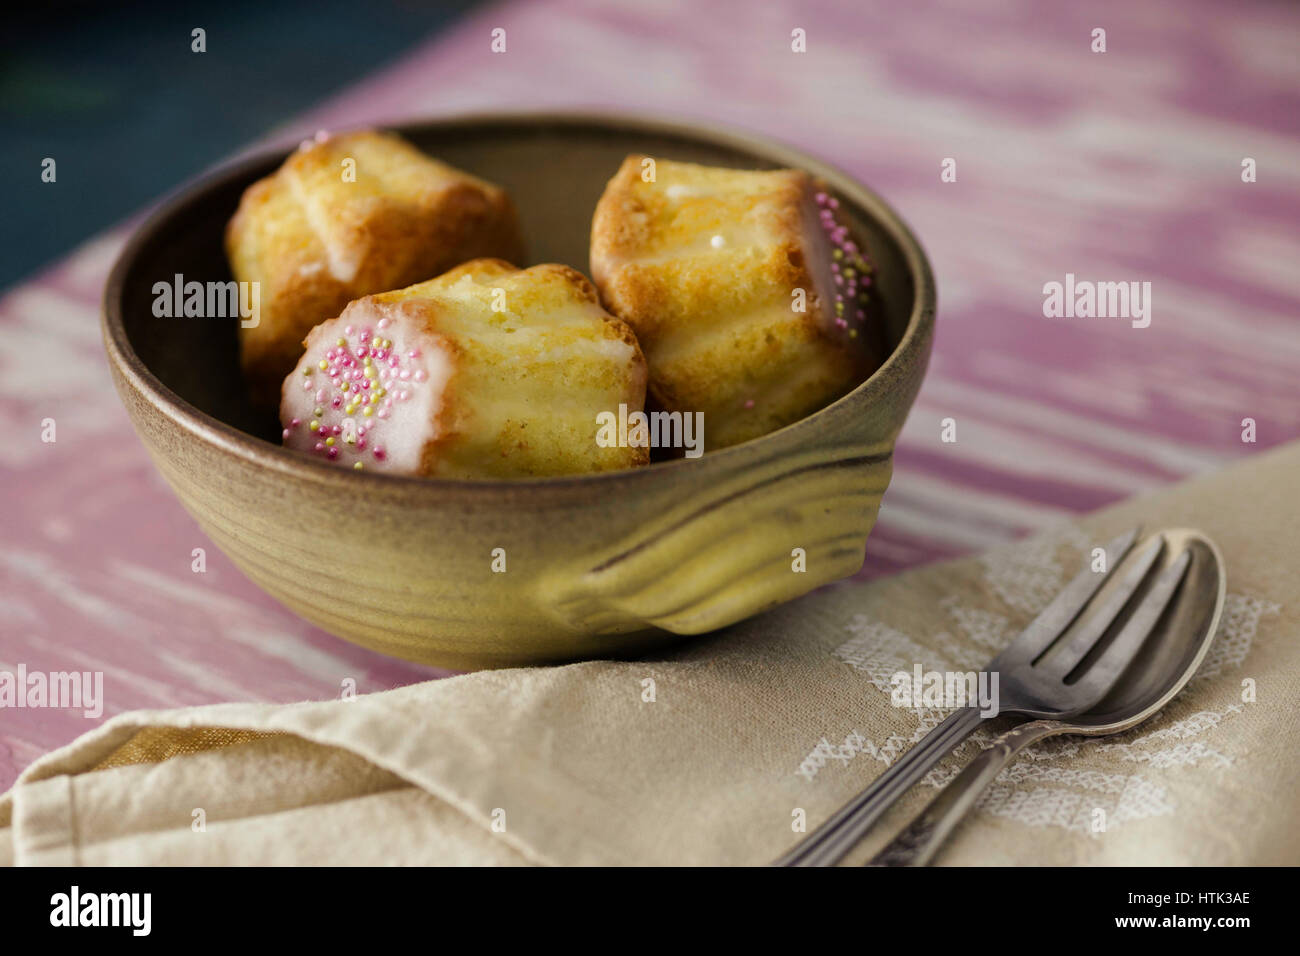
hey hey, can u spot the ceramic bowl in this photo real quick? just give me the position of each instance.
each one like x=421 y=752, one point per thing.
x=595 y=565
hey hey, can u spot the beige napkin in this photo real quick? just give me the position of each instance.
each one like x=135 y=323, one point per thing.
x=711 y=754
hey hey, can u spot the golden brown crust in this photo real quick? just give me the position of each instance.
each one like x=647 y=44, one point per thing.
x=535 y=359
x=315 y=242
x=703 y=263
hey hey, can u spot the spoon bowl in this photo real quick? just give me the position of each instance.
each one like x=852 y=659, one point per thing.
x=1163 y=666
x=1172 y=653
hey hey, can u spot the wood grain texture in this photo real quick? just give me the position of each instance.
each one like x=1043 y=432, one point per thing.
x=1122 y=165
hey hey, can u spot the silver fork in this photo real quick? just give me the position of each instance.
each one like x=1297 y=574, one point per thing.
x=1033 y=683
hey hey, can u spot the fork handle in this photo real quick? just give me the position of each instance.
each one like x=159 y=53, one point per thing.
x=921 y=839
x=841 y=832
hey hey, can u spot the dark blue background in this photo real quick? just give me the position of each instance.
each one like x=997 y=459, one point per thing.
x=113 y=93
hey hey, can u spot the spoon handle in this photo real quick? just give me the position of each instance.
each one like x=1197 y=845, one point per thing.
x=917 y=843
x=826 y=845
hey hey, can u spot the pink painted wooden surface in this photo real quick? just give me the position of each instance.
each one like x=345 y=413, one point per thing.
x=1115 y=166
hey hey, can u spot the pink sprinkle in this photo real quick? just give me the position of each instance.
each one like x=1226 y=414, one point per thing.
x=366 y=383
x=421 y=375
x=336 y=430
x=285 y=434
x=383 y=413
x=749 y=403
x=295 y=422
x=338 y=401
x=850 y=247
x=841 y=323
x=414 y=353
x=320 y=446
x=821 y=197
x=365 y=335
x=333 y=453
x=347 y=329
x=833 y=203
x=380 y=454
x=839 y=280
x=361 y=444
x=320 y=394
x=363 y=352
x=383 y=324
x=406 y=373
x=862 y=316
x=306 y=385
x=388 y=402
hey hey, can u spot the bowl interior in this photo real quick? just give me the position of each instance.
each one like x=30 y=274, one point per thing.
x=555 y=169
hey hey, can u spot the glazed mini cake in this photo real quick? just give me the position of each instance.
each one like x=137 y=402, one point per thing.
x=710 y=268
x=347 y=216
x=488 y=371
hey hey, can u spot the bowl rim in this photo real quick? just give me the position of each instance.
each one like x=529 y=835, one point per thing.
x=257 y=451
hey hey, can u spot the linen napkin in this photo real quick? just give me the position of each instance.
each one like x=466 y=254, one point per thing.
x=720 y=750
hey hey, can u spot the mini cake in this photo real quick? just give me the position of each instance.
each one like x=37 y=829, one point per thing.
x=346 y=216
x=486 y=371
x=746 y=293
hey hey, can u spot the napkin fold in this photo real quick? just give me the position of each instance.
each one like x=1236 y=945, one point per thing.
x=719 y=750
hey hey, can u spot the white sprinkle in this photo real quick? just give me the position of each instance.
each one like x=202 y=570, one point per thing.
x=717 y=242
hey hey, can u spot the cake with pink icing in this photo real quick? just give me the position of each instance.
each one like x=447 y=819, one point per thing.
x=747 y=292
x=487 y=371
x=348 y=215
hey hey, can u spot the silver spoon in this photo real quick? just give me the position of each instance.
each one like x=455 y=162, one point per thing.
x=1049 y=672
x=1164 y=665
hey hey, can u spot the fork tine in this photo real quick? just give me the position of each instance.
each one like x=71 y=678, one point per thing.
x=1065 y=607
x=1101 y=676
x=1067 y=658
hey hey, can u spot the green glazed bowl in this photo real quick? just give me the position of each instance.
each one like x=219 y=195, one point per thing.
x=595 y=565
